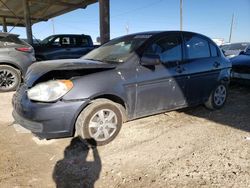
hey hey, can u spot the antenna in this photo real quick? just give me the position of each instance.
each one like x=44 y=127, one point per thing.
x=231 y=29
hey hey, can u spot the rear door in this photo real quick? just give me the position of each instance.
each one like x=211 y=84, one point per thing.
x=63 y=47
x=67 y=47
x=203 y=64
x=162 y=86
x=55 y=50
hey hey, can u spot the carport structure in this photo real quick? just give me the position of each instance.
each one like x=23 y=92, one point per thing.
x=25 y=13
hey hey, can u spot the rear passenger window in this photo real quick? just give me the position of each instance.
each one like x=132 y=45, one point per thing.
x=168 y=49
x=84 y=41
x=196 y=47
x=79 y=41
x=65 y=41
x=214 y=52
x=11 y=41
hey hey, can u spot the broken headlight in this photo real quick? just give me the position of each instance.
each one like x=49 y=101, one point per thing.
x=50 y=91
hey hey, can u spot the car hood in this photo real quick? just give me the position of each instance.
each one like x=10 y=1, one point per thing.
x=38 y=69
x=241 y=63
x=241 y=60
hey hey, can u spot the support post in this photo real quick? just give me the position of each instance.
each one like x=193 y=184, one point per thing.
x=4 y=25
x=104 y=11
x=27 y=21
x=231 y=29
x=181 y=19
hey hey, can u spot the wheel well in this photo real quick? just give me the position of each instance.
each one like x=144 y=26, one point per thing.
x=10 y=64
x=113 y=98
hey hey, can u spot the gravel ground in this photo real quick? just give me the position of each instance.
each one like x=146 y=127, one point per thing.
x=189 y=148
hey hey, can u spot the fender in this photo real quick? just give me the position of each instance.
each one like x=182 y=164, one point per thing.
x=11 y=63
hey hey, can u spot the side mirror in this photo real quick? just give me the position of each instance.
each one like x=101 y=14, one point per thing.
x=150 y=60
x=242 y=52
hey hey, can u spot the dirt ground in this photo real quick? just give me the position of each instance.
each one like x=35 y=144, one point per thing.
x=188 y=148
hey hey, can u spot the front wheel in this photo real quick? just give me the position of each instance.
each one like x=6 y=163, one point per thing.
x=218 y=97
x=101 y=121
x=10 y=78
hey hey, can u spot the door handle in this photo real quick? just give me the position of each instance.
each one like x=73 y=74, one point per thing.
x=216 y=64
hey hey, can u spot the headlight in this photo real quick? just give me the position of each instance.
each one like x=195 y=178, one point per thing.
x=50 y=91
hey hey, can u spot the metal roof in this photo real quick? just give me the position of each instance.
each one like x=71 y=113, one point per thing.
x=40 y=10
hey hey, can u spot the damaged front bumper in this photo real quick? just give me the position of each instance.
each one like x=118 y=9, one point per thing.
x=237 y=75
x=46 y=120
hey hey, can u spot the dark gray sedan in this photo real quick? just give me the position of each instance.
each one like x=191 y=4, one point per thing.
x=127 y=78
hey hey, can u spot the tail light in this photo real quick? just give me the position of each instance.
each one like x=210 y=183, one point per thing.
x=25 y=49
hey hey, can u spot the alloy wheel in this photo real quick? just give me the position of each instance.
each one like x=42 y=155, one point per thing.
x=103 y=124
x=7 y=79
x=220 y=95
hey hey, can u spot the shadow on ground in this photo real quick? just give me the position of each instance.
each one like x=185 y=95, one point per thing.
x=74 y=170
x=236 y=112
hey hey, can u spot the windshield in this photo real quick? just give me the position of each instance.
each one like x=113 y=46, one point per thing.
x=117 y=50
x=238 y=46
x=47 y=40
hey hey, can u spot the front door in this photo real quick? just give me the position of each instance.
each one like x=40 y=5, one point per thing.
x=161 y=87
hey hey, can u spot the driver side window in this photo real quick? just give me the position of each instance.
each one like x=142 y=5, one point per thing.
x=168 y=49
x=56 y=42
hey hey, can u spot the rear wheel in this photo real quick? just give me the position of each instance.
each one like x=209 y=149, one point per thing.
x=10 y=78
x=218 y=97
x=101 y=121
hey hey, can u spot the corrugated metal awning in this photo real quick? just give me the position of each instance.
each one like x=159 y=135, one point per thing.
x=40 y=10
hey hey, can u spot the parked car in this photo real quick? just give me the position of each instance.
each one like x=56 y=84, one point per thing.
x=15 y=57
x=127 y=78
x=234 y=49
x=63 y=47
x=225 y=46
x=241 y=67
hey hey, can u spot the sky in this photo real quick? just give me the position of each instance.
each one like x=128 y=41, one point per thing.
x=209 y=17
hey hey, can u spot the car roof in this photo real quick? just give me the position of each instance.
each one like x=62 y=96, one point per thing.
x=165 y=32
x=241 y=43
x=68 y=35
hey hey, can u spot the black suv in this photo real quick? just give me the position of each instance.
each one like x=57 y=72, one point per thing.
x=15 y=58
x=63 y=46
x=127 y=78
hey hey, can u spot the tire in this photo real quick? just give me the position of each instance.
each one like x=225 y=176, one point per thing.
x=218 y=97
x=10 y=78
x=100 y=122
